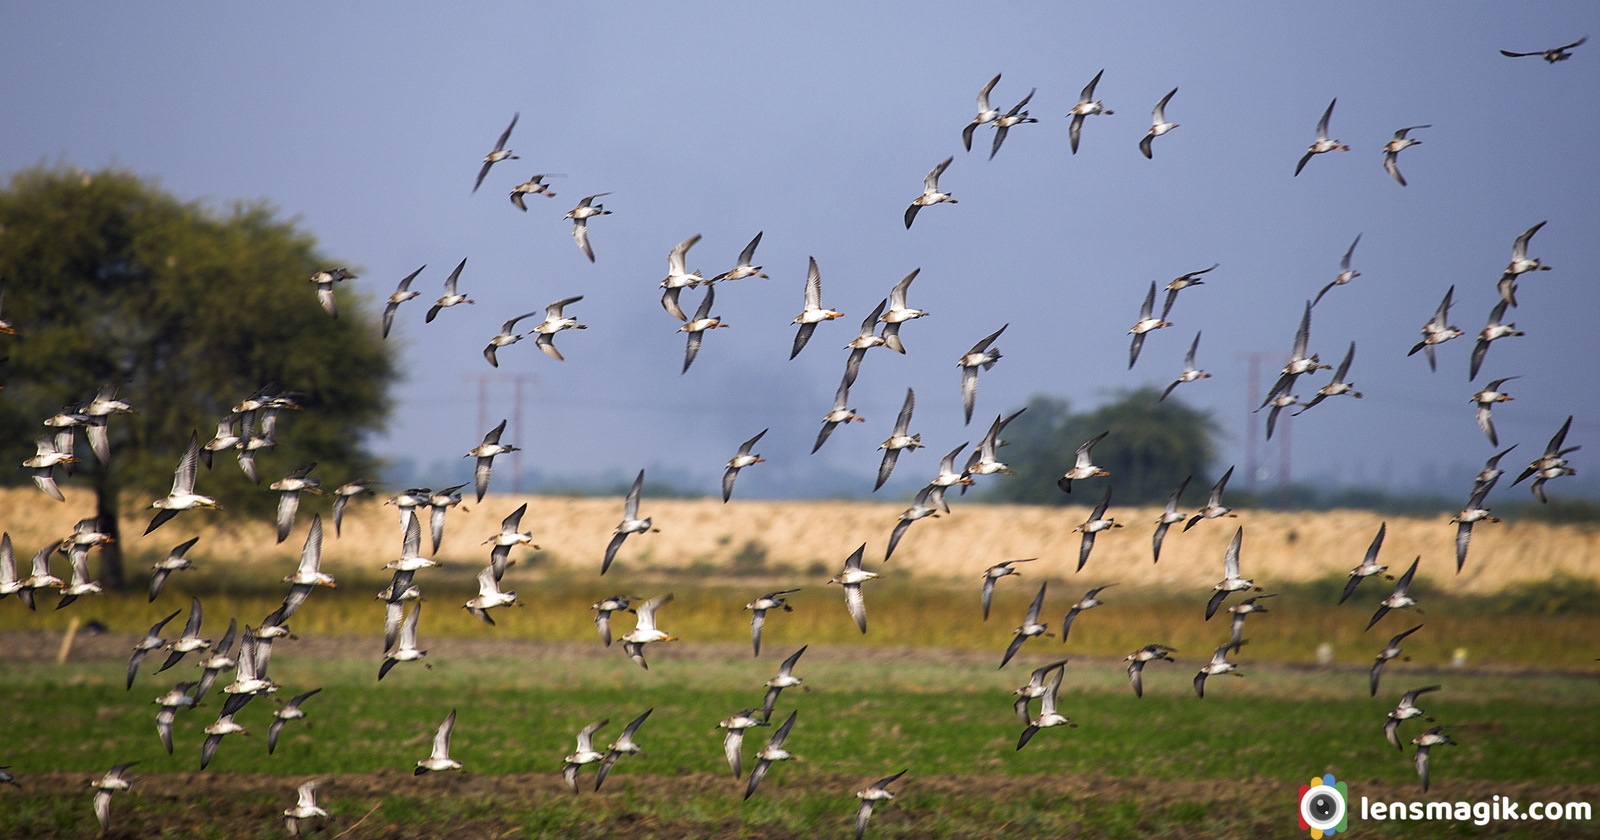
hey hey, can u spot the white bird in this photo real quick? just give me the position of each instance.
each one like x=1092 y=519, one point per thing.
x=489 y=596
x=920 y=508
x=1345 y=275
x=305 y=806
x=899 y=439
x=877 y=792
x=1392 y=150
x=451 y=297
x=1097 y=522
x=743 y=458
x=645 y=630
x=324 y=281
x=1432 y=738
x=1397 y=599
x=1437 y=330
x=864 y=341
x=631 y=523
x=784 y=679
x=758 y=613
x=281 y=717
x=773 y=751
x=507 y=336
x=733 y=741
x=1405 y=710
x=840 y=413
x=108 y=784
x=405 y=648
x=1048 y=716
x=1322 y=144
x=224 y=726
x=440 y=759
x=533 y=186
x=624 y=745
x=289 y=489
x=585 y=754
x=994 y=573
x=930 y=192
x=1030 y=627
x=1231 y=580
x=1368 y=566
x=1213 y=508
x=1090 y=600
x=189 y=641
x=505 y=538
x=1337 y=387
x=555 y=322
x=1485 y=400
x=1491 y=331
x=500 y=152
x=182 y=496
x=152 y=641
x=1034 y=689
x=1390 y=651
x=1082 y=466
x=679 y=276
x=851 y=579
x=744 y=268
x=1087 y=105
x=1158 y=123
x=580 y=216
x=1004 y=122
x=1219 y=664
x=484 y=453
x=696 y=327
x=1520 y=264
x=980 y=356
x=813 y=313
x=1190 y=373
x=986 y=114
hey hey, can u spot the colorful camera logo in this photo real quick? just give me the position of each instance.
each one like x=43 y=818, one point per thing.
x=1322 y=806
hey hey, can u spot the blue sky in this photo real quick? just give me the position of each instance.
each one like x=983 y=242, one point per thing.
x=815 y=124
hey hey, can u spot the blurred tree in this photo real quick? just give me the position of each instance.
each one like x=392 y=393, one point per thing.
x=111 y=280
x=1151 y=447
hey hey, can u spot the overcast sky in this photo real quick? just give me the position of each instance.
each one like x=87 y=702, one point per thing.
x=816 y=123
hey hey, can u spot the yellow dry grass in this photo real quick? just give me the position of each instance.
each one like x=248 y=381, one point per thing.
x=1279 y=547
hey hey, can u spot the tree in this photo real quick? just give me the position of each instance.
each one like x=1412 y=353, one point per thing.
x=1151 y=447
x=111 y=280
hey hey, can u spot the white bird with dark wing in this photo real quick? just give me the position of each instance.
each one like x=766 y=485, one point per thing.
x=696 y=327
x=758 y=613
x=584 y=754
x=851 y=579
x=1097 y=522
x=1437 y=330
x=507 y=336
x=645 y=629
x=499 y=153
x=289 y=489
x=1231 y=580
x=451 y=297
x=484 y=453
x=994 y=573
x=631 y=523
x=1491 y=331
x=1048 y=716
x=744 y=268
x=813 y=313
x=1368 y=566
x=1322 y=144
x=1090 y=600
x=930 y=192
x=624 y=745
x=109 y=783
x=899 y=439
x=743 y=458
x=505 y=538
x=840 y=413
x=1087 y=106
x=877 y=792
x=1393 y=148
x=980 y=356
x=1083 y=466
x=986 y=114
x=1190 y=372
x=1158 y=124
x=1030 y=626
x=1397 y=599
x=1484 y=400
x=305 y=806
x=1219 y=664
x=1169 y=517
x=580 y=217
x=554 y=322
x=1004 y=122
x=920 y=508
x=1214 y=508
x=678 y=277
x=285 y=713
x=324 y=281
x=1390 y=651
x=773 y=751
x=439 y=758
x=1137 y=660
x=1345 y=275
x=785 y=678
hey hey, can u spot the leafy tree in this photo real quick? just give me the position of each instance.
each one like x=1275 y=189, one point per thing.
x=1151 y=447
x=111 y=280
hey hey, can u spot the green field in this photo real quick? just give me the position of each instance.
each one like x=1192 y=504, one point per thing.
x=1169 y=765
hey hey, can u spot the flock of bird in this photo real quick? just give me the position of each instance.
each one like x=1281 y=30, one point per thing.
x=252 y=425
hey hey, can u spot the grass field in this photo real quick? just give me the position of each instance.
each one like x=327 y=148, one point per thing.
x=1167 y=765
x=1511 y=642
